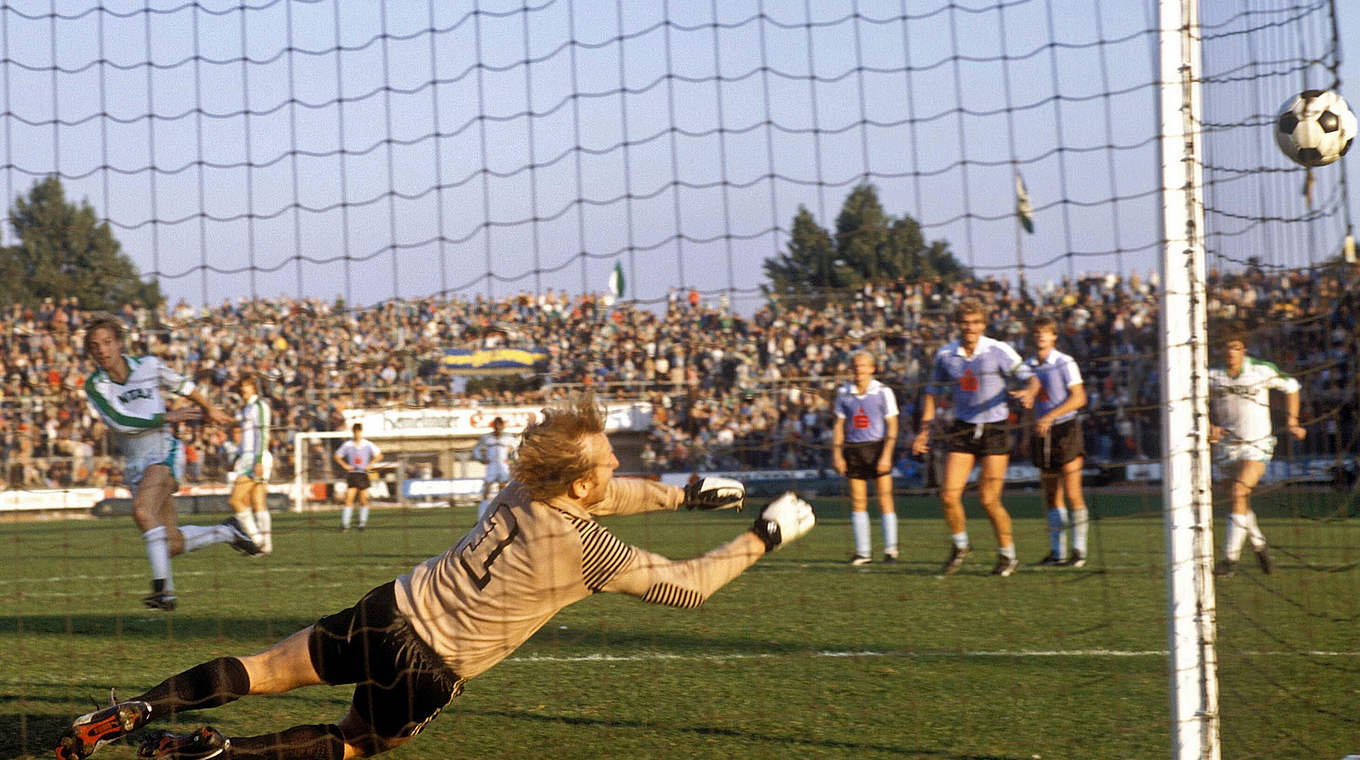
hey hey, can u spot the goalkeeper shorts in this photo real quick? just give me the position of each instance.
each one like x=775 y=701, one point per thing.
x=400 y=683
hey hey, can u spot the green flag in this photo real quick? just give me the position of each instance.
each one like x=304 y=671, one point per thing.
x=616 y=280
x=1022 y=210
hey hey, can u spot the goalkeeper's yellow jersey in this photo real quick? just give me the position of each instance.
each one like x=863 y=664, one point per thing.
x=525 y=560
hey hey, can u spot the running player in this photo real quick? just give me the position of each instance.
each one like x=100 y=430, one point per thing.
x=1245 y=442
x=128 y=394
x=250 y=476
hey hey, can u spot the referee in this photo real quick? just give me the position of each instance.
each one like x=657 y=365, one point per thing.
x=862 y=451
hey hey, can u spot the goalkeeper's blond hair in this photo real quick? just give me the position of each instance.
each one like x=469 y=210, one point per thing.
x=552 y=453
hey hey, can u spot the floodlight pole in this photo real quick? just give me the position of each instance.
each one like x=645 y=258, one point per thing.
x=1186 y=479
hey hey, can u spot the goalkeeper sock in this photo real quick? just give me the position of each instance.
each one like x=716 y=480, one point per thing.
x=1237 y=534
x=1057 y=531
x=315 y=742
x=859 y=523
x=1080 y=525
x=212 y=684
x=158 y=553
x=888 y=521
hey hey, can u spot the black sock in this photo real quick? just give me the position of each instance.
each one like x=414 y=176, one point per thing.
x=316 y=742
x=211 y=684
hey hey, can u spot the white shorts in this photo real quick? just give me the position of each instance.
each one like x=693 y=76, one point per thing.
x=1259 y=450
x=497 y=472
x=245 y=465
x=142 y=451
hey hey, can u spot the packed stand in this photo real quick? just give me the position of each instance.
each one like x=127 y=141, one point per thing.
x=728 y=391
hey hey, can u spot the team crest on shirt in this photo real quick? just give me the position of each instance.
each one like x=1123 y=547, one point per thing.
x=969 y=381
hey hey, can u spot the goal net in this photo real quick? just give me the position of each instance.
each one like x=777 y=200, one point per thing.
x=705 y=209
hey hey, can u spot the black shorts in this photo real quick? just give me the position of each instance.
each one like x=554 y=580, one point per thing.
x=981 y=440
x=1062 y=445
x=861 y=460
x=356 y=479
x=401 y=684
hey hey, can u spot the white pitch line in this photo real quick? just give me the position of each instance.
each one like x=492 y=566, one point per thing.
x=967 y=654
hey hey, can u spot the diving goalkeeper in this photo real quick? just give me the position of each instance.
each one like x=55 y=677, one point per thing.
x=409 y=645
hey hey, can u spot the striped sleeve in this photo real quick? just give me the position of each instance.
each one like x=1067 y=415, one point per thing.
x=686 y=583
x=602 y=554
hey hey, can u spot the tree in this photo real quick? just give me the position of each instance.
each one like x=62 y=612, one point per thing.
x=65 y=251
x=869 y=246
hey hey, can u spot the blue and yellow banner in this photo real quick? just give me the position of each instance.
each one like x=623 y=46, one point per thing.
x=495 y=359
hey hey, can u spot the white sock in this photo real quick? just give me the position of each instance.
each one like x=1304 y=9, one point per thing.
x=859 y=523
x=1057 y=531
x=265 y=522
x=345 y=515
x=960 y=539
x=1254 y=534
x=1080 y=525
x=158 y=552
x=1007 y=551
x=363 y=516
x=888 y=521
x=198 y=536
x=1237 y=534
x=247 y=521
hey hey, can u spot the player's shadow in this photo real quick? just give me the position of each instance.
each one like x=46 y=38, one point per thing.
x=784 y=746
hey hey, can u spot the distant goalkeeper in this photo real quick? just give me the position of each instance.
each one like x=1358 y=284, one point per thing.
x=409 y=645
x=1244 y=440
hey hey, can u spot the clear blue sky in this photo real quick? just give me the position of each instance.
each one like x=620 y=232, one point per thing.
x=407 y=191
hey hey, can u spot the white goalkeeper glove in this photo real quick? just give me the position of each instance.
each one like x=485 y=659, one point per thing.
x=784 y=520
x=714 y=493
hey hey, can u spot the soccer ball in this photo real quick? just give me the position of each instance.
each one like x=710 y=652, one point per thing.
x=1315 y=128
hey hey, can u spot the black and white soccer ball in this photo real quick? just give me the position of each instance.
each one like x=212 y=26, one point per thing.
x=1315 y=128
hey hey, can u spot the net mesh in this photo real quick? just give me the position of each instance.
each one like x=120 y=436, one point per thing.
x=331 y=195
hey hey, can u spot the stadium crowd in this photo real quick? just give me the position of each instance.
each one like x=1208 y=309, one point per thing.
x=729 y=391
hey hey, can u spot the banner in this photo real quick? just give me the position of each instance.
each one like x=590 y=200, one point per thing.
x=619 y=417
x=466 y=361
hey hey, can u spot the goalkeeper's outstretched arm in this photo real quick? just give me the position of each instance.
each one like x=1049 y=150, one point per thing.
x=689 y=583
x=630 y=496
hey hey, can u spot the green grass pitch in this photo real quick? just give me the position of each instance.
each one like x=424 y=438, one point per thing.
x=802 y=656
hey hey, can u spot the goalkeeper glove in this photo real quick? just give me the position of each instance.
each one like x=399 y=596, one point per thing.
x=784 y=520
x=714 y=493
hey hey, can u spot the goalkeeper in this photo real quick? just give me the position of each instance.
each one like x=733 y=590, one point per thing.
x=410 y=644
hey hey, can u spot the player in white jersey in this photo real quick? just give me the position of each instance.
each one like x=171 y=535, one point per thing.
x=495 y=450
x=1244 y=440
x=410 y=645
x=1056 y=447
x=250 y=475
x=128 y=395
x=356 y=457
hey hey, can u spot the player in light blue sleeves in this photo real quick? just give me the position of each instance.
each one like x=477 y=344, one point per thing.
x=1056 y=447
x=974 y=370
